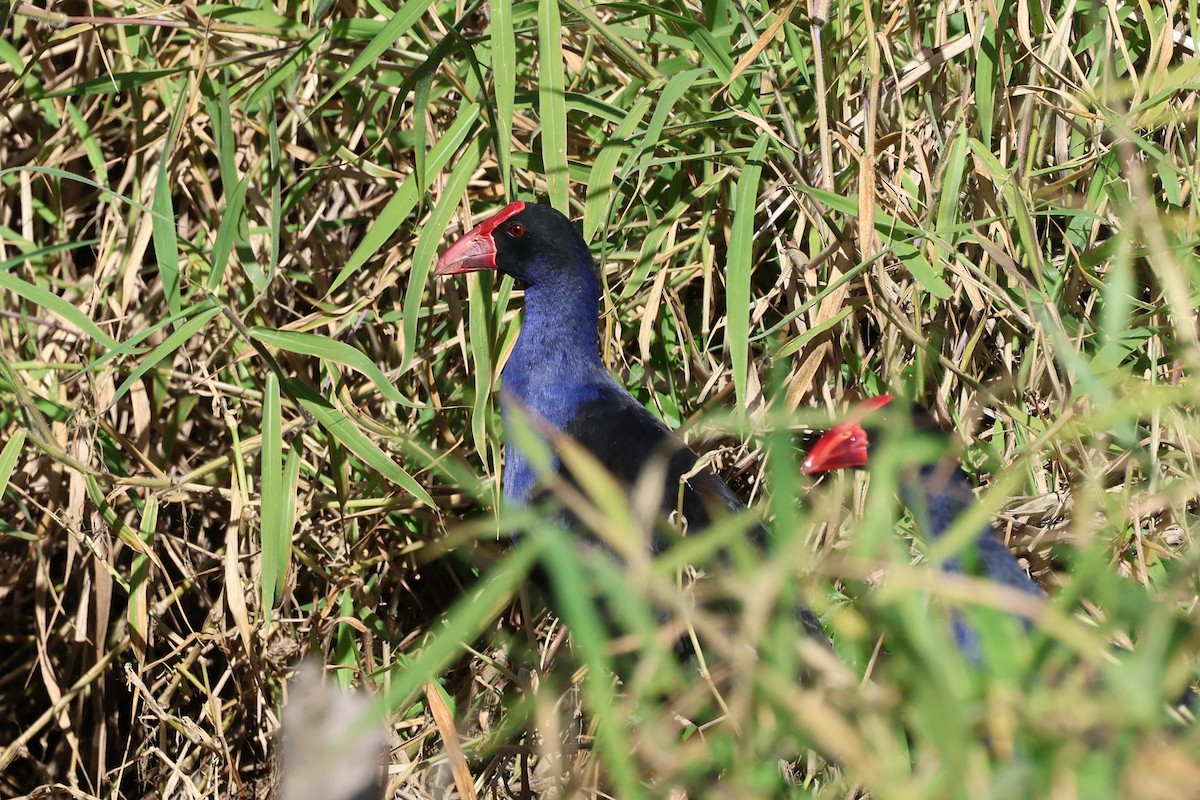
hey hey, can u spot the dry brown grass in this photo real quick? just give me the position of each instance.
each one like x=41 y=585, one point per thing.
x=991 y=208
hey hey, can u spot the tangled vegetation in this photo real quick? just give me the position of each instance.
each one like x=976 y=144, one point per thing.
x=241 y=422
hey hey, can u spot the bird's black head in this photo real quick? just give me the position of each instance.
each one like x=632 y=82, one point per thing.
x=534 y=243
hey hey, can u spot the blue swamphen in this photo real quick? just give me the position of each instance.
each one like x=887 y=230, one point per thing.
x=556 y=379
x=939 y=493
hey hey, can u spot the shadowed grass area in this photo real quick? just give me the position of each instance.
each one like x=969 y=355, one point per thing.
x=241 y=421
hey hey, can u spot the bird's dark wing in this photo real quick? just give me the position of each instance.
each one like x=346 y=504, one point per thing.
x=946 y=494
x=627 y=440
x=633 y=445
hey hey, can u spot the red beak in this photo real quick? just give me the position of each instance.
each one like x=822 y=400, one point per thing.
x=476 y=250
x=846 y=444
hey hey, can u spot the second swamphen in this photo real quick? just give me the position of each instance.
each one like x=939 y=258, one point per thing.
x=555 y=377
x=939 y=493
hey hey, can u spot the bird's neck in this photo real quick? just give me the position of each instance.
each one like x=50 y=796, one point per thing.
x=941 y=492
x=553 y=371
x=558 y=344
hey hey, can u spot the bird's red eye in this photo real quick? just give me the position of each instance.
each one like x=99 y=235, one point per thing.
x=516 y=230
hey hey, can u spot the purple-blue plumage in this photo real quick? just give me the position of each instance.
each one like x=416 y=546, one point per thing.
x=556 y=380
x=938 y=494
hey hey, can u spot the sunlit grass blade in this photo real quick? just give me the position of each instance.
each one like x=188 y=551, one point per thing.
x=138 y=613
x=337 y=352
x=231 y=222
x=739 y=266
x=204 y=314
x=399 y=208
x=432 y=238
x=404 y=18
x=600 y=188
x=8 y=458
x=57 y=306
x=166 y=241
x=504 y=78
x=463 y=623
x=347 y=433
x=552 y=104
x=276 y=504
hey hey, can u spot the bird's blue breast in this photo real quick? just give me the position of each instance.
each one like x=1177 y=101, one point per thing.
x=555 y=366
x=547 y=391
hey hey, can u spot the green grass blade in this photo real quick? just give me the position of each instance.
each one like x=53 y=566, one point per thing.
x=166 y=242
x=204 y=312
x=504 y=78
x=276 y=540
x=286 y=69
x=337 y=352
x=552 y=104
x=230 y=225
x=463 y=623
x=896 y=235
x=986 y=73
x=432 y=237
x=954 y=172
x=347 y=433
x=407 y=15
x=400 y=207
x=739 y=266
x=71 y=176
x=8 y=458
x=480 y=298
x=56 y=306
x=138 y=612
x=600 y=189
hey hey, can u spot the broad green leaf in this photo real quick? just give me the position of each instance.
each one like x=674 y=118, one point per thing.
x=1018 y=207
x=667 y=99
x=424 y=80
x=115 y=83
x=919 y=267
x=480 y=305
x=564 y=566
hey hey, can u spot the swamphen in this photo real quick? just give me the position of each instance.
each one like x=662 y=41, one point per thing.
x=939 y=492
x=556 y=379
